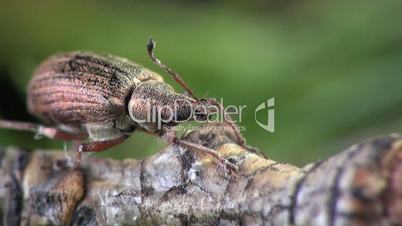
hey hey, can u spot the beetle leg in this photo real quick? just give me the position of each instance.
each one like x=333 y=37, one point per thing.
x=241 y=141
x=55 y=133
x=99 y=146
x=41 y=130
x=215 y=154
x=24 y=126
x=169 y=137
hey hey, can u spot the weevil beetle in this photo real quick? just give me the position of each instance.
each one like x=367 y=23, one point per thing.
x=85 y=95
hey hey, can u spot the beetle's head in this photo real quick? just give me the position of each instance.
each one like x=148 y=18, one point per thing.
x=154 y=104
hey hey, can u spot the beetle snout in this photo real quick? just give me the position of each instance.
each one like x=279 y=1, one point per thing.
x=205 y=110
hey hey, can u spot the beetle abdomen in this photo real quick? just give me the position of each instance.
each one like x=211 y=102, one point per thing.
x=83 y=87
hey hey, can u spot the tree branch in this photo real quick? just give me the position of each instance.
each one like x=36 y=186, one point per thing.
x=359 y=186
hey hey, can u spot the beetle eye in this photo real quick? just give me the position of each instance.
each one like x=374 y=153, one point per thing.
x=203 y=101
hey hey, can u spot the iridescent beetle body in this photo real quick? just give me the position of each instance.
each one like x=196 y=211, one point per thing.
x=104 y=98
x=81 y=91
x=87 y=93
x=83 y=87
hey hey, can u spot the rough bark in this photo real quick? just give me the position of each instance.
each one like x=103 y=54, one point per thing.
x=359 y=186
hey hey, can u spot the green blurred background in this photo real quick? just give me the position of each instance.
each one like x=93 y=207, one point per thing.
x=334 y=67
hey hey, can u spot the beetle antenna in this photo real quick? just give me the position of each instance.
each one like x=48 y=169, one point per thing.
x=206 y=94
x=150 y=47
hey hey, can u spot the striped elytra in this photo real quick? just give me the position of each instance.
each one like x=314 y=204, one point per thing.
x=84 y=87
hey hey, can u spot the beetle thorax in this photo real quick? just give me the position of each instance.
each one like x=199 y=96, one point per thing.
x=155 y=104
